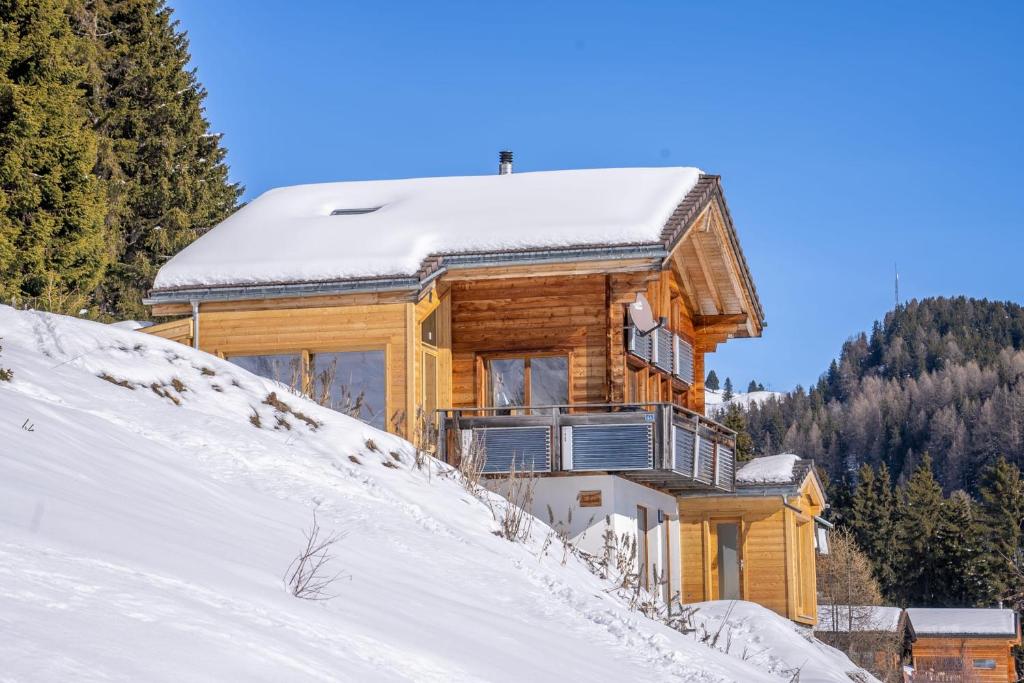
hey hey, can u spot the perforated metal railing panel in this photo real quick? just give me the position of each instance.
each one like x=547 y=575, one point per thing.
x=684 y=360
x=726 y=467
x=664 y=340
x=640 y=345
x=528 y=447
x=683 y=454
x=706 y=462
x=612 y=447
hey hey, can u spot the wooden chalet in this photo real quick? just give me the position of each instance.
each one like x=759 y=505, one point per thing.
x=757 y=542
x=496 y=308
x=964 y=644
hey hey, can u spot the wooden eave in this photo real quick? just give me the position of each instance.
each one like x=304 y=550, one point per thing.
x=712 y=272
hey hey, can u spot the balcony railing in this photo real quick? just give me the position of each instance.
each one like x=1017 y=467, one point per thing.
x=660 y=444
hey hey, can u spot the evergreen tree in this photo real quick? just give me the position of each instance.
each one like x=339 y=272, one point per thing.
x=168 y=178
x=712 y=381
x=52 y=232
x=735 y=421
x=727 y=392
x=872 y=520
x=919 y=513
x=958 y=541
x=752 y=387
x=1002 y=505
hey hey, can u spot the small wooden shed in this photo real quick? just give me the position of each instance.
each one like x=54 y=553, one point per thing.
x=757 y=543
x=878 y=638
x=964 y=644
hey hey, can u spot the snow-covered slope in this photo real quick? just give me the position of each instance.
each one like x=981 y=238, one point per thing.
x=715 y=402
x=146 y=523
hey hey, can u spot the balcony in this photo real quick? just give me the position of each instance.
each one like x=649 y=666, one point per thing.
x=659 y=444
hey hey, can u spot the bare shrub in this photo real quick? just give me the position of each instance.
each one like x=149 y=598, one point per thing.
x=848 y=593
x=353 y=405
x=6 y=375
x=469 y=461
x=308 y=576
x=255 y=420
x=277 y=404
x=513 y=512
x=161 y=391
x=371 y=446
x=119 y=382
x=354 y=459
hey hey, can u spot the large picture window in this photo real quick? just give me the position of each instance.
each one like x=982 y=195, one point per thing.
x=285 y=368
x=351 y=382
x=528 y=380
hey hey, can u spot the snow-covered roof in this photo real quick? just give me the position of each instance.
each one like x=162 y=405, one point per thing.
x=933 y=621
x=858 y=618
x=387 y=228
x=770 y=469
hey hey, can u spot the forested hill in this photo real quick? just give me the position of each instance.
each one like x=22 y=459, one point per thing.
x=941 y=376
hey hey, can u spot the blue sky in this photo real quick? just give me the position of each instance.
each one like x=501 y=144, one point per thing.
x=849 y=135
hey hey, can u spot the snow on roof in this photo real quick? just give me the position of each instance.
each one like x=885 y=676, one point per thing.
x=858 y=618
x=771 y=469
x=378 y=228
x=928 y=621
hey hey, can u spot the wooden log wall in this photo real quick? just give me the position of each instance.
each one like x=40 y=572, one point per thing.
x=384 y=327
x=540 y=314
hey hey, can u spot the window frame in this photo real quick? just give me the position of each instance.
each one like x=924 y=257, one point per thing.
x=484 y=387
x=305 y=363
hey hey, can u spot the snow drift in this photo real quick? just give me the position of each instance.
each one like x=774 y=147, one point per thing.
x=152 y=497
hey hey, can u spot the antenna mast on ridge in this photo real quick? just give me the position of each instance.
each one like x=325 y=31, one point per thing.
x=896 y=270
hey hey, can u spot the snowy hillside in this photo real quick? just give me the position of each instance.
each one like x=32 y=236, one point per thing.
x=715 y=402
x=152 y=498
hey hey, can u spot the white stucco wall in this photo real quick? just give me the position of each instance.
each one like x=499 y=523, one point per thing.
x=619 y=501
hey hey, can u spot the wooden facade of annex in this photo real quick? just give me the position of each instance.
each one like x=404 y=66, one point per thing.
x=967 y=658
x=776 y=548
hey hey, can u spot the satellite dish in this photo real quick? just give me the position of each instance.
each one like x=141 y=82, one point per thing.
x=642 y=316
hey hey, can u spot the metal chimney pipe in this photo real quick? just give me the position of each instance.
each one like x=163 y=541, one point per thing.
x=504 y=162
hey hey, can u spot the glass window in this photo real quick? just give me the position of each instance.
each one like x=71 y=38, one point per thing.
x=508 y=382
x=430 y=385
x=528 y=381
x=549 y=380
x=984 y=663
x=285 y=368
x=428 y=329
x=351 y=382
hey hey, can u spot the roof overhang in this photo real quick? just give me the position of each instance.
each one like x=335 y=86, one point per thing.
x=730 y=307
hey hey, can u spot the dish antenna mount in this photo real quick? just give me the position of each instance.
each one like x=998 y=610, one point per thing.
x=642 y=315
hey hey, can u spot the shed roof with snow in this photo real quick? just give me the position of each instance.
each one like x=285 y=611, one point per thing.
x=859 y=618
x=970 y=622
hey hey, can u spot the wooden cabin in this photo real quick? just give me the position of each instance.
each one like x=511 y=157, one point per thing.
x=875 y=637
x=496 y=310
x=964 y=644
x=758 y=541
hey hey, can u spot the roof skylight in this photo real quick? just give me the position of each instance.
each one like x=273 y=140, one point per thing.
x=354 y=212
